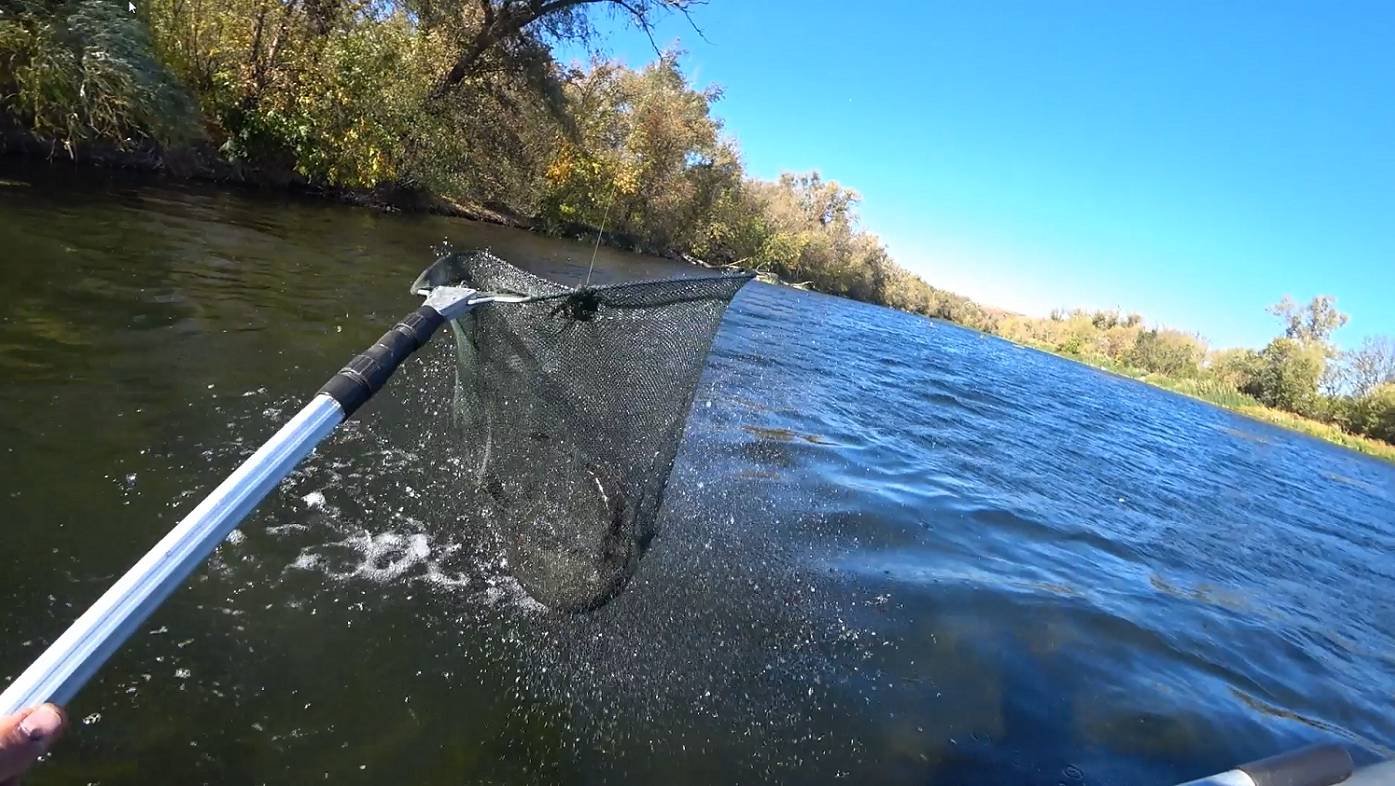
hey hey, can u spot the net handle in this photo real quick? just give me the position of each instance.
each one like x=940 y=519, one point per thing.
x=75 y=657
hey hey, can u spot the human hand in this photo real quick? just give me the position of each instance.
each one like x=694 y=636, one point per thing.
x=24 y=737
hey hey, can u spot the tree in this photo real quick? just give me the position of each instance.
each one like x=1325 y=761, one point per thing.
x=648 y=161
x=1312 y=326
x=1369 y=366
x=1314 y=322
x=1287 y=376
x=813 y=236
x=486 y=27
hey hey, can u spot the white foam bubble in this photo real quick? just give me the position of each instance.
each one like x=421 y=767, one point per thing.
x=392 y=556
x=287 y=528
x=382 y=557
x=307 y=561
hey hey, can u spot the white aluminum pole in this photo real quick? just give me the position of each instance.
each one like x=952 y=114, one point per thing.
x=67 y=665
x=71 y=661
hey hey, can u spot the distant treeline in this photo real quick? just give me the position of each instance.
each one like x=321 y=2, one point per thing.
x=463 y=100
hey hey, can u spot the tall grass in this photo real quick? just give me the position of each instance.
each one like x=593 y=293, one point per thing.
x=1324 y=431
x=74 y=71
x=1207 y=389
x=1222 y=394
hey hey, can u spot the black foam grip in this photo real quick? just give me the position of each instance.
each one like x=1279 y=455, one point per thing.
x=368 y=372
x=1315 y=765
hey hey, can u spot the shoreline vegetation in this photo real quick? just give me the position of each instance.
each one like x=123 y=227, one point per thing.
x=1225 y=397
x=460 y=107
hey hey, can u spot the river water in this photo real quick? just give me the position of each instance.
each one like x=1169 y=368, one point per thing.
x=892 y=550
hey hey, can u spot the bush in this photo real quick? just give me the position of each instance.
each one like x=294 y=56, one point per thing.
x=1374 y=414
x=1170 y=352
x=1237 y=367
x=1287 y=376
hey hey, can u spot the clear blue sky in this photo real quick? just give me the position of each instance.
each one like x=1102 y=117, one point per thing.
x=1193 y=161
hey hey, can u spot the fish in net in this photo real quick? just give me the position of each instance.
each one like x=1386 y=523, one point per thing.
x=571 y=403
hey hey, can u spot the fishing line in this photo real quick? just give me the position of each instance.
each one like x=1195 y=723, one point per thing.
x=604 y=217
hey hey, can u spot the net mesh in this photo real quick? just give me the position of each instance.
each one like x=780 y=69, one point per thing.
x=572 y=405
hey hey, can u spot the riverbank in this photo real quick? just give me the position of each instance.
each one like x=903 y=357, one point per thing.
x=210 y=171
x=1226 y=397
x=203 y=166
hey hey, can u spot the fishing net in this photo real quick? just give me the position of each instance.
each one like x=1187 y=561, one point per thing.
x=571 y=406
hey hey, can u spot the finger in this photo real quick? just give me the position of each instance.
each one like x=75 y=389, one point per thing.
x=27 y=735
